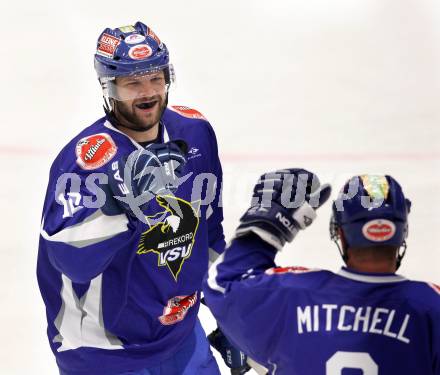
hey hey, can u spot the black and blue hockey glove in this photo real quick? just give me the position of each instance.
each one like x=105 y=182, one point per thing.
x=135 y=180
x=283 y=203
x=233 y=357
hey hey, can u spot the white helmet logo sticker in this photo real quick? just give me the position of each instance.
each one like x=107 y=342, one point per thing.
x=134 y=39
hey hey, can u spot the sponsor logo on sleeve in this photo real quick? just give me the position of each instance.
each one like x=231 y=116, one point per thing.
x=187 y=112
x=95 y=150
x=177 y=308
x=134 y=39
x=379 y=230
x=107 y=45
x=140 y=52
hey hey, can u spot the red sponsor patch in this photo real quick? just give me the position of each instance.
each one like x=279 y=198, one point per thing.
x=188 y=112
x=152 y=35
x=107 y=45
x=435 y=287
x=95 y=150
x=283 y=270
x=140 y=52
x=379 y=230
x=177 y=308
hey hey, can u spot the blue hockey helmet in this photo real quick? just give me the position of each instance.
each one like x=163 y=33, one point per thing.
x=371 y=210
x=130 y=51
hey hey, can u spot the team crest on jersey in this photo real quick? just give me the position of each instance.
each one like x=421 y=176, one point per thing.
x=95 y=150
x=172 y=238
x=177 y=308
x=187 y=112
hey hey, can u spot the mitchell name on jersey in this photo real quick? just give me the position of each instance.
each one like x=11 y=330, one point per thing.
x=346 y=318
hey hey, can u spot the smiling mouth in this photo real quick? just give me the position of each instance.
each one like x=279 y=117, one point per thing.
x=146 y=105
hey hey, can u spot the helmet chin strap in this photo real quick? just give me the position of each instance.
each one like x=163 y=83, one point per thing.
x=342 y=251
x=400 y=254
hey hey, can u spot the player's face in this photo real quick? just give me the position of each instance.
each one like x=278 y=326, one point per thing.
x=141 y=100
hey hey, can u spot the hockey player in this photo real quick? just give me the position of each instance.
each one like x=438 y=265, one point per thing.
x=365 y=319
x=131 y=218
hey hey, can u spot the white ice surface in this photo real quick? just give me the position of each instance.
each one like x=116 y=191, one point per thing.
x=339 y=87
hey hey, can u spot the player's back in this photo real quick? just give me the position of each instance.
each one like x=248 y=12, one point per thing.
x=355 y=323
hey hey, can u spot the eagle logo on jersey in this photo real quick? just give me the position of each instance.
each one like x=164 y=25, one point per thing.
x=172 y=238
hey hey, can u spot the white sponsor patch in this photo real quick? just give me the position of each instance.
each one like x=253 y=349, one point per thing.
x=379 y=230
x=134 y=39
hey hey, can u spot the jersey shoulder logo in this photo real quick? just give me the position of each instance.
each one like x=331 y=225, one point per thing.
x=187 y=112
x=284 y=270
x=95 y=150
x=172 y=237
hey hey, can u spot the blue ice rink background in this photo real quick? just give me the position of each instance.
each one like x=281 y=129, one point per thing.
x=341 y=88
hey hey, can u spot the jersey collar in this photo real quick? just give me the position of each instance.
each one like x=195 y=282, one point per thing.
x=367 y=277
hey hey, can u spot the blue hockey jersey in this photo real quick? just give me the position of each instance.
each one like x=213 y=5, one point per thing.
x=120 y=293
x=300 y=321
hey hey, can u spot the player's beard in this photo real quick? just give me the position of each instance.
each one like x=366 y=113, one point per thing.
x=134 y=118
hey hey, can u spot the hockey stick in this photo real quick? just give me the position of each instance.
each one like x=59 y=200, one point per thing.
x=259 y=369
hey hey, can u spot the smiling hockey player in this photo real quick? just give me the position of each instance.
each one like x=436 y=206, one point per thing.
x=365 y=319
x=130 y=221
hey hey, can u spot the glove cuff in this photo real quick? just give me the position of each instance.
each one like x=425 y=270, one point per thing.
x=265 y=235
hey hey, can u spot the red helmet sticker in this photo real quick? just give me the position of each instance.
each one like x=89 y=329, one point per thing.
x=188 y=112
x=107 y=45
x=134 y=39
x=379 y=230
x=95 y=150
x=152 y=35
x=177 y=308
x=140 y=52
x=283 y=270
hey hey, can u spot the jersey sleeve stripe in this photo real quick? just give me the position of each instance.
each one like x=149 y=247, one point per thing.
x=96 y=228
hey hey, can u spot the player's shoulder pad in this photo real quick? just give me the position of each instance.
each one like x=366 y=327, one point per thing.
x=424 y=294
x=290 y=270
x=187 y=112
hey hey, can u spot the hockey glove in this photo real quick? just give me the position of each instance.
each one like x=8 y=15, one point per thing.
x=137 y=179
x=233 y=357
x=283 y=203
